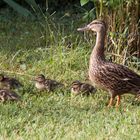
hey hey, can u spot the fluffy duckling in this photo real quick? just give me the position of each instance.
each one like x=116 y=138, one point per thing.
x=42 y=83
x=82 y=88
x=9 y=83
x=8 y=95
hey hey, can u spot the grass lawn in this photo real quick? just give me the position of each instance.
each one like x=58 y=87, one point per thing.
x=29 y=48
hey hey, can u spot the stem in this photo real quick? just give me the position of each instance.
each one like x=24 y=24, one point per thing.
x=101 y=8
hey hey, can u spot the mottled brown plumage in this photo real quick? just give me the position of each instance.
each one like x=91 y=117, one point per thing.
x=8 y=95
x=114 y=78
x=78 y=87
x=42 y=83
x=9 y=83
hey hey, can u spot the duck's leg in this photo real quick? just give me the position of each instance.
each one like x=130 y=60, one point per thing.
x=111 y=100
x=118 y=100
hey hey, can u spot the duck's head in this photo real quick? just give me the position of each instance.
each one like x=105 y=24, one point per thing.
x=95 y=25
x=75 y=87
x=40 y=78
x=1 y=77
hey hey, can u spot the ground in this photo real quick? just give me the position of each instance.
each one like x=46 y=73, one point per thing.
x=30 y=47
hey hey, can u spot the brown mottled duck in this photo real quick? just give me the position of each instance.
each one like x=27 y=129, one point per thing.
x=42 y=83
x=8 y=95
x=9 y=83
x=78 y=87
x=114 y=78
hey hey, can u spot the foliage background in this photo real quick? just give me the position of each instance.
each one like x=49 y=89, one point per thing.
x=49 y=43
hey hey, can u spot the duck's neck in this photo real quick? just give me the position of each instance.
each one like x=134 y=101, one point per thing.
x=98 y=50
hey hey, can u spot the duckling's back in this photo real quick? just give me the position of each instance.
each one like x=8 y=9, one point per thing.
x=8 y=95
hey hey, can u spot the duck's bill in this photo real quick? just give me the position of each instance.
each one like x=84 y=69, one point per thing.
x=86 y=28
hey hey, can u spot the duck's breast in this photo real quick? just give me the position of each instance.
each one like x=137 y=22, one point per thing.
x=97 y=77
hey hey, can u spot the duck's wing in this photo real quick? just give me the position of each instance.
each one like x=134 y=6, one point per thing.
x=6 y=94
x=13 y=96
x=15 y=83
x=55 y=83
x=47 y=84
x=11 y=81
x=121 y=73
x=87 y=88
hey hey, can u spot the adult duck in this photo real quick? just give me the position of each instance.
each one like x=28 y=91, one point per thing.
x=114 y=78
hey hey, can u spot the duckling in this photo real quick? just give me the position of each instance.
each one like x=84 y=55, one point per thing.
x=82 y=88
x=42 y=83
x=114 y=78
x=9 y=83
x=8 y=95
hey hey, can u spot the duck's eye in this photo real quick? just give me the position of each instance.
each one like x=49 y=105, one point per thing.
x=98 y=23
x=74 y=88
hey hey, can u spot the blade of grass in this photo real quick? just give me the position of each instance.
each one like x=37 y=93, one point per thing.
x=21 y=10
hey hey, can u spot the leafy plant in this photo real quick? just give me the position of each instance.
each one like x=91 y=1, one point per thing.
x=83 y=2
x=123 y=23
x=22 y=10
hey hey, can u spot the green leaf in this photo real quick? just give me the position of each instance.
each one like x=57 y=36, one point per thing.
x=83 y=2
x=21 y=10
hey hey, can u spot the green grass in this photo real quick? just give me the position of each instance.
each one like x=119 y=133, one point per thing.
x=57 y=116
